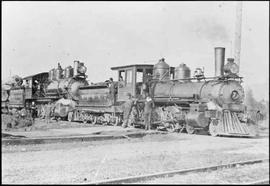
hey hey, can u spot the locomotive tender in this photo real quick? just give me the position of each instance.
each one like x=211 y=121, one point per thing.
x=213 y=104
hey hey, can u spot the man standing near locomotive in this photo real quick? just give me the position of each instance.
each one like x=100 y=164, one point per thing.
x=27 y=85
x=121 y=82
x=48 y=112
x=33 y=113
x=127 y=111
x=112 y=86
x=146 y=85
x=148 y=108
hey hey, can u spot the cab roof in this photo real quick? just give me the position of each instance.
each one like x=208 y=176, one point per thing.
x=133 y=66
x=39 y=74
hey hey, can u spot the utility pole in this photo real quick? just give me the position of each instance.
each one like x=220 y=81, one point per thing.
x=237 y=38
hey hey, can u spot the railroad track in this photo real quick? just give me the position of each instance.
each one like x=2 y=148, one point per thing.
x=259 y=182
x=147 y=177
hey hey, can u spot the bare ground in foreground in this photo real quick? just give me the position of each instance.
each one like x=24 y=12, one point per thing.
x=91 y=161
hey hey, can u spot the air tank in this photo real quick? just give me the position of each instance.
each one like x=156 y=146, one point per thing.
x=182 y=72
x=162 y=70
x=219 y=61
x=68 y=72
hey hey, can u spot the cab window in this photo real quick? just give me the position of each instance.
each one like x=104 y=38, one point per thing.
x=129 y=76
x=139 y=75
x=121 y=75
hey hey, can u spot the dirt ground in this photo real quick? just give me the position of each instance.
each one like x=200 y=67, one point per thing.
x=91 y=161
x=40 y=124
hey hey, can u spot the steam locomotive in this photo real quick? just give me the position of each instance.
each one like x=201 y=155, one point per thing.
x=198 y=103
x=45 y=87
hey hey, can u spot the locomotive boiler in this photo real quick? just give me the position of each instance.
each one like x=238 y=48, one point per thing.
x=65 y=84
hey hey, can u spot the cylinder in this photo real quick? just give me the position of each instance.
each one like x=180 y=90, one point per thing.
x=197 y=119
x=219 y=61
x=76 y=64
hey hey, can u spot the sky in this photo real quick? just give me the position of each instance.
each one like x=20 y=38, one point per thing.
x=38 y=35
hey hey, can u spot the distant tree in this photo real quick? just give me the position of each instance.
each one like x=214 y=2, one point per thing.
x=249 y=100
x=253 y=106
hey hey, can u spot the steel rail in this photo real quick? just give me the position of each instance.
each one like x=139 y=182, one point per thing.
x=259 y=182
x=140 y=178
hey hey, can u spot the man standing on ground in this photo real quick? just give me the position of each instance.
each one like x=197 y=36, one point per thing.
x=48 y=113
x=148 y=108
x=127 y=110
x=33 y=113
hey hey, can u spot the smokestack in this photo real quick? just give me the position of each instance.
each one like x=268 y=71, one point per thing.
x=219 y=61
x=76 y=64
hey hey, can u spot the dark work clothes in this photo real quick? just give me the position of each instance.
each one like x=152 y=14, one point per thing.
x=127 y=110
x=149 y=105
x=113 y=91
x=33 y=111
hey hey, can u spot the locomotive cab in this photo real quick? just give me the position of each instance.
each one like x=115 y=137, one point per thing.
x=35 y=85
x=131 y=79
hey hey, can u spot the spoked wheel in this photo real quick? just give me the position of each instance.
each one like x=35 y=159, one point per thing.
x=95 y=120
x=41 y=112
x=213 y=130
x=190 y=129
x=116 y=122
x=85 y=118
x=170 y=127
x=70 y=116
